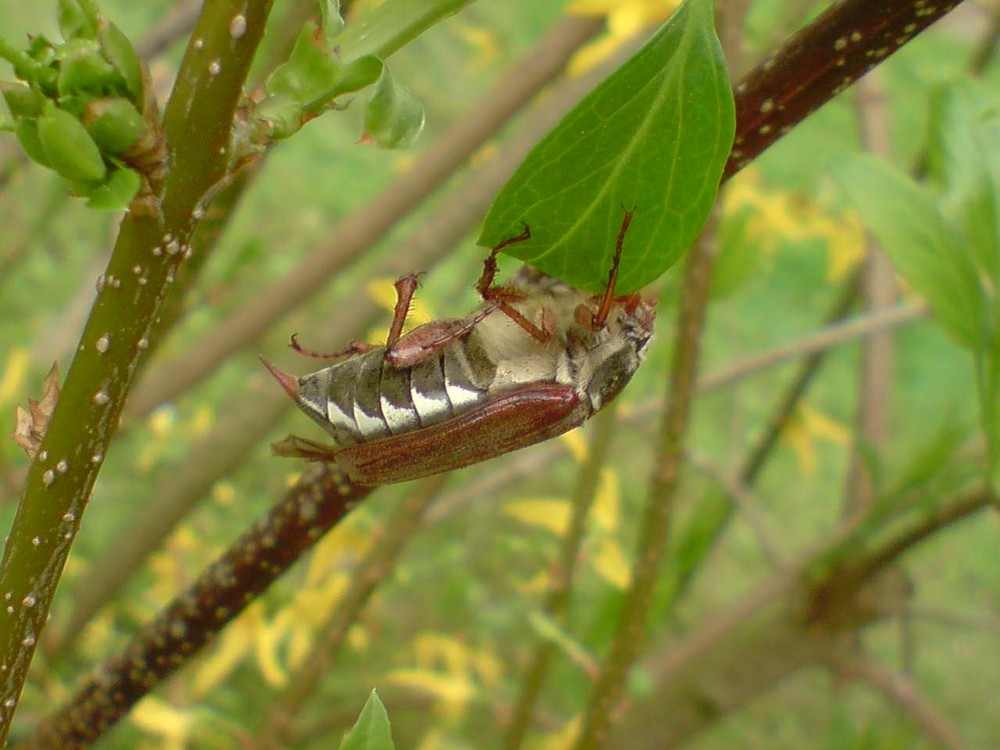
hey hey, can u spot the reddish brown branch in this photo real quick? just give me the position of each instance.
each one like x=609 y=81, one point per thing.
x=320 y=500
x=818 y=63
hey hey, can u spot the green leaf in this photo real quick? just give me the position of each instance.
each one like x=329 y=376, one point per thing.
x=117 y=191
x=371 y=731
x=956 y=158
x=383 y=28
x=653 y=137
x=310 y=70
x=309 y=81
x=394 y=117
x=923 y=246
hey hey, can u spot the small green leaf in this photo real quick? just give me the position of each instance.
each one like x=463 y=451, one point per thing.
x=309 y=81
x=331 y=21
x=924 y=248
x=371 y=731
x=653 y=137
x=73 y=22
x=310 y=70
x=83 y=69
x=117 y=191
x=394 y=117
x=118 y=49
x=956 y=158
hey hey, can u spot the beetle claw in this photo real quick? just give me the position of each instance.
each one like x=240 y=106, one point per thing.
x=288 y=382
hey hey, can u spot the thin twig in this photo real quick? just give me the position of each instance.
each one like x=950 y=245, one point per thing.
x=818 y=342
x=557 y=599
x=901 y=692
x=878 y=292
x=658 y=513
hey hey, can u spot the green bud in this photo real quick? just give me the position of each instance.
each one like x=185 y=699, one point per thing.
x=114 y=124
x=41 y=50
x=69 y=148
x=117 y=191
x=38 y=71
x=119 y=50
x=26 y=132
x=73 y=22
x=21 y=100
x=83 y=68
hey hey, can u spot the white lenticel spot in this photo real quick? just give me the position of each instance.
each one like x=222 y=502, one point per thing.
x=215 y=67
x=238 y=26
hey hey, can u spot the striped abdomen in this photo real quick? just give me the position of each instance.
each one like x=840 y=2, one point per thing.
x=364 y=398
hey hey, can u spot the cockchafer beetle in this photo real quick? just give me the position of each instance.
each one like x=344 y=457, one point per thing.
x=537 y=359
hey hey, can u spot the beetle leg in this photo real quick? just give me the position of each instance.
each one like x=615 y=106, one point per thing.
x=596 y=321
x=298 y=447
x=432 y=337
x=502 y=296
x=405 y=286
x=355 y=347
x=485 y=284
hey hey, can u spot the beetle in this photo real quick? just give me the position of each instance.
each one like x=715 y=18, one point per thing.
x=537 y=359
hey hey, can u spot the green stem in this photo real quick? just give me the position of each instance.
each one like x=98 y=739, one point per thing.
x=987 y=383
x=658 y=514
x=20 y=60
x=389 y=26
x=115 y=341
